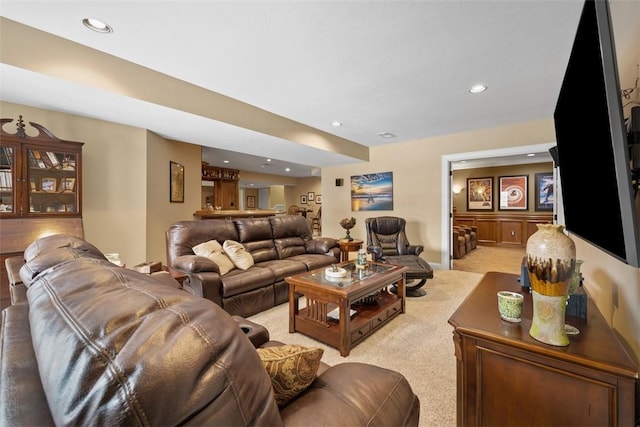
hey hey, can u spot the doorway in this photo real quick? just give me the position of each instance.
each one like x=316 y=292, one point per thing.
x=497 y=157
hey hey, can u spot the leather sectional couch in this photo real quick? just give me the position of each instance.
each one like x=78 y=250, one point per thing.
x=86 y=342
x=280 y=246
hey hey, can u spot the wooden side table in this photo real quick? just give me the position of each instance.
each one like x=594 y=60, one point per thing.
x=347 y=246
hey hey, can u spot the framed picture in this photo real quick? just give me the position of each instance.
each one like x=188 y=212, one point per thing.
x=372 y=192
x=311 y=196
x=251 y=202
x=176 y=182
x=545 y=197
x=480 y=194
x=303 y=200
x=319 y=199
x=48 y=184
x=33 y=185
x=513 y=193
x=67 y=184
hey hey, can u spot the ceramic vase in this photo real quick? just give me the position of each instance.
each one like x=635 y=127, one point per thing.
x=551 y=258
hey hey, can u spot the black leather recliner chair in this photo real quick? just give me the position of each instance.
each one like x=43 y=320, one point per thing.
x=387 y=242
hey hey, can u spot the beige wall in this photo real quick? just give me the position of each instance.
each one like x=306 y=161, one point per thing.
x=126 y=196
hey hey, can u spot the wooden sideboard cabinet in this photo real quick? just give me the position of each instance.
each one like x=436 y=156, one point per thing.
x=224 y=189
x=507 y=378
x=503 y=228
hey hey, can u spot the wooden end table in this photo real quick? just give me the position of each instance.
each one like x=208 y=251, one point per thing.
x=324 y=294
x=347 y=246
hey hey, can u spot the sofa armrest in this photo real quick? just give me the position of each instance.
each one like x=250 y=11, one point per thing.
x=194 y=264
x=321 y=245
x=257 y=334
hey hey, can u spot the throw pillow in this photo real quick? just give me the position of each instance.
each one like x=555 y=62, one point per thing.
x=292 y=368
x=238 y=254
x=214 y=252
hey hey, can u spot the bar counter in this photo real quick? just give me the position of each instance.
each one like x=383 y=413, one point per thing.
x=249 y=213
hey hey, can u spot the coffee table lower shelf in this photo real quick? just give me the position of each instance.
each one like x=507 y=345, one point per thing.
x=366 y=320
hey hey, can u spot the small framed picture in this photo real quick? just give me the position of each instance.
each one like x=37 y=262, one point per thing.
x=319 y=199
x=251 y=202
x=311 y=196
x=176 y=182
x=544 y=191
x=48 y=184
x=303 y=200
x=67 y=184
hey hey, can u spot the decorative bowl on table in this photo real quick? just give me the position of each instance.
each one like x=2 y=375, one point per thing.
x=335 y=272
x=348 y=224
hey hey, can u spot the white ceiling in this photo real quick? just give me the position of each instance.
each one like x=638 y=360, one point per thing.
x=402 y=67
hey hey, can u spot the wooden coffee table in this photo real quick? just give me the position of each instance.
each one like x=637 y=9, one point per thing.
x=324 y=294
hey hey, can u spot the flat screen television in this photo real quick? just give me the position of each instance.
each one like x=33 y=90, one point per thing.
x=593 y=155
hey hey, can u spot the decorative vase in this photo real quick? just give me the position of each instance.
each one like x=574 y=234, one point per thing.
x=551 y=258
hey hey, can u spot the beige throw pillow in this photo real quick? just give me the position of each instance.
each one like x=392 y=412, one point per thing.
x=292 y=368
x=238 y=254
x=214 y=252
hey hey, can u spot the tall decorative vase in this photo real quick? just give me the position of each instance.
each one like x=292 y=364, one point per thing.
x=551 y=258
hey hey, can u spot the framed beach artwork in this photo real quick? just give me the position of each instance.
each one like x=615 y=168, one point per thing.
x=372 y=192
x=480 y=194
x=513 y=193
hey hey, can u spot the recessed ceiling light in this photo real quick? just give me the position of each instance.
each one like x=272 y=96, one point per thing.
x=97 y=25
x=386 y=135
x=288 y=169
x=531 y=155
x=268 y=160
x=225 y=161
x=336 y=124
x=478 y=88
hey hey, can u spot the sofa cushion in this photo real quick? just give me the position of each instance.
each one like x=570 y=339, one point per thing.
x=255 y=235
x=213 y=250
x=105 y=342
x=51 y=257
x=292 y=368
x=238 y=254
x=56 y=241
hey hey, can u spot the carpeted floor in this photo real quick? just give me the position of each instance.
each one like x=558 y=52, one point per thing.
x=419 y=343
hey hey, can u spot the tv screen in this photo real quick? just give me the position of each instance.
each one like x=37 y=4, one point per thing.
x=593 y=158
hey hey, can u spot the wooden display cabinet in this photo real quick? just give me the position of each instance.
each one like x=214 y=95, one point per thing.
x=40 y=190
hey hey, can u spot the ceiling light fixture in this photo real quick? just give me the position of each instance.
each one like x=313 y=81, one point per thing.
x=97 y=25
x=288 y=169
x=336 y=124
x=531 y=155
x=225 y=161
x=477 y=88
x=386 y=135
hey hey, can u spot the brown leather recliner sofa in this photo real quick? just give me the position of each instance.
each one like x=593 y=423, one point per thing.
x=281 y=246
x=91 y=343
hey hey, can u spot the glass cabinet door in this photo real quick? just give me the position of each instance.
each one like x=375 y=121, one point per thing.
x=8 y=179
x=52 y=182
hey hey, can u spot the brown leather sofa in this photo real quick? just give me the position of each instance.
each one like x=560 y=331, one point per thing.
x=91 y=343
x=281 y=246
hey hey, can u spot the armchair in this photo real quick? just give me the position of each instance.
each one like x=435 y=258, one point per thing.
x=387 y=242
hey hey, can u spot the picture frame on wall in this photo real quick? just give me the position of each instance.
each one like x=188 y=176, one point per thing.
x=372 y=192
x=480 y=194
x=311 y=196
x=318 y=199
x=513 y=193
x=176 y=182
x=251 y=202
x=544 y=191
x=303 y=200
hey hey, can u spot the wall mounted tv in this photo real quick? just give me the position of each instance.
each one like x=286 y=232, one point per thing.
x=593 y=156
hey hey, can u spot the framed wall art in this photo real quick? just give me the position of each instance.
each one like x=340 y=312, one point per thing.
x=251 y=202
x=545 y=197
x=311 y=196
x=372 y=192
x=513 y=193
x=318 y=199
x=480 y=194
x=176 y=182
x=303 y=200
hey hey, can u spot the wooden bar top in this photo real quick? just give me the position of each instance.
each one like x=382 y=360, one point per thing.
x=595 y=346
x=217 y=214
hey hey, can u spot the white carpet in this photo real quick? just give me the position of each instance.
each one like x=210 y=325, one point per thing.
x=418 y=343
